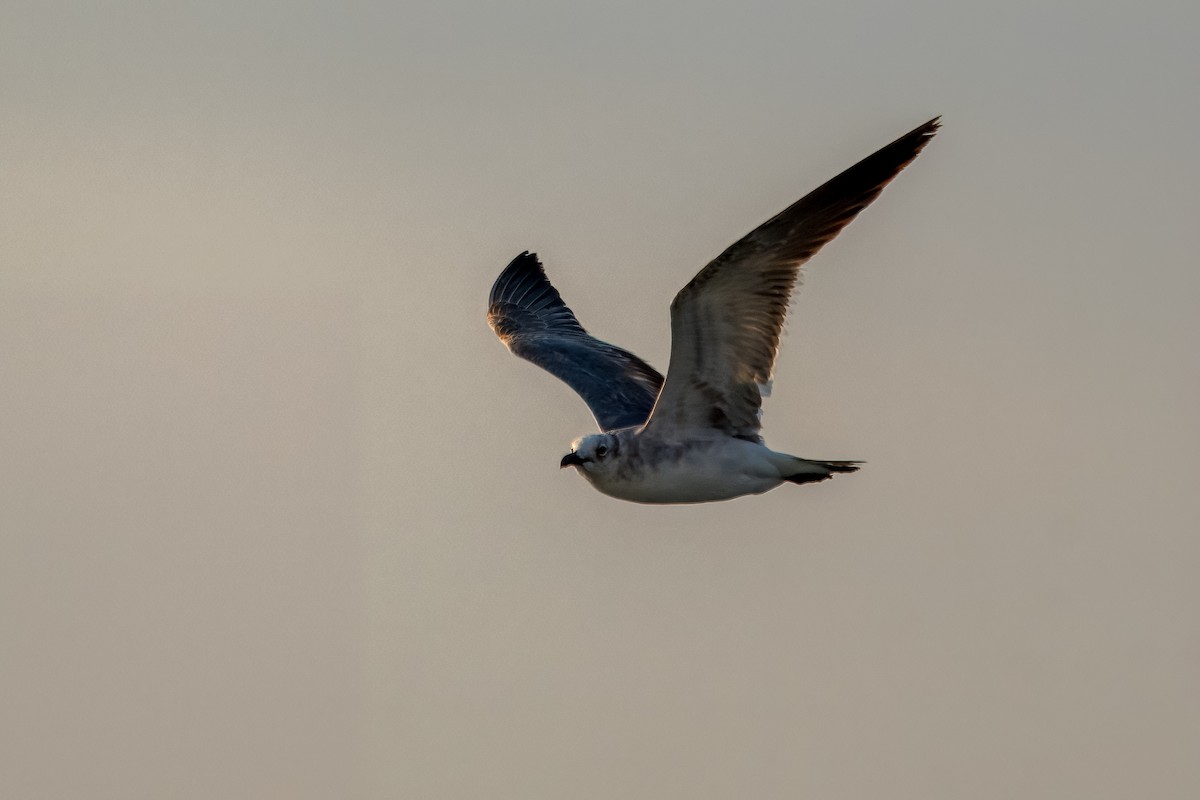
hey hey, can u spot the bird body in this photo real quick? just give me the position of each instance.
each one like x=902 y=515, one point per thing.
x=630 y=464
x=694 y=436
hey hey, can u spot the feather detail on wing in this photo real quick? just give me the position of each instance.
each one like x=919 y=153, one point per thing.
x=726 y=323
x=530 y=317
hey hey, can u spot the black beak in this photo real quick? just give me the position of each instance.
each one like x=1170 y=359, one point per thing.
x=571 y=459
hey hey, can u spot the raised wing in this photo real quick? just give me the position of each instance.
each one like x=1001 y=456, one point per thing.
x=532 y=320
x=725 y=324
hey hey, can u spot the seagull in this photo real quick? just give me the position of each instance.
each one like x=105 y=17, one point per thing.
x=694 y=437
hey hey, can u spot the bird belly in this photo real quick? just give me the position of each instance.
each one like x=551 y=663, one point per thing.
x=730 y=469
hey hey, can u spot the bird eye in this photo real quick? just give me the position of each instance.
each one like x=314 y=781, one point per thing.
x=601 y=451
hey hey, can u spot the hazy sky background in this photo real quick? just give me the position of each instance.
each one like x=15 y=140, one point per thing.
x=281 y=518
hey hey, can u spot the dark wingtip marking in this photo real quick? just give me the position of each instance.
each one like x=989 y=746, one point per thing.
x=523 y=271
x=523 y=300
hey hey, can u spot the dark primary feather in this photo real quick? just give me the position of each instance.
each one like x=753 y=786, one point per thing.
x=726 y=323
x=530 y=317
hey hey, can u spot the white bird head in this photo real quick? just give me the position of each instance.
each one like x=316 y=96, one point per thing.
x=592 y=454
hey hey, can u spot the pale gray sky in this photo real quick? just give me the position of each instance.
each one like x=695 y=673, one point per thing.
x=281 y=518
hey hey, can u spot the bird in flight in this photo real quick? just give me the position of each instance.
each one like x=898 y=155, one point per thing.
x=695 y=436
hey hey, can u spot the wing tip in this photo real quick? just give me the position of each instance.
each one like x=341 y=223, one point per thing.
x=912 y=142
x=916 y=139
x=520 y=269
x=523 y=300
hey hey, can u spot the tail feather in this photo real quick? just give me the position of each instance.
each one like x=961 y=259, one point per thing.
x=839 y=466
x=813 y=471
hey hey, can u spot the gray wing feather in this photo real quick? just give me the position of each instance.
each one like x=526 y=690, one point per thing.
x=530 y=317
x=726 y=323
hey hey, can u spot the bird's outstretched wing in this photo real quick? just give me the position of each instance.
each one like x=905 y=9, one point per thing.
x=725 y=324
x=532 y=320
